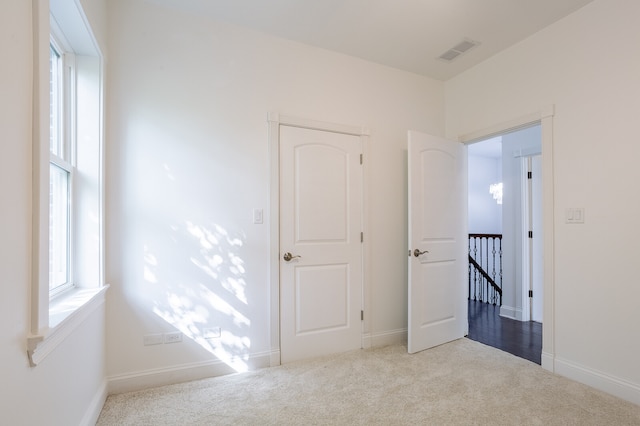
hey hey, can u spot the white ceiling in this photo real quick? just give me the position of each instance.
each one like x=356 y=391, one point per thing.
x=404 y=34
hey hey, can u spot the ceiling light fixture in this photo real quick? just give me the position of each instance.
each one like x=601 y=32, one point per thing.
x=496 y=190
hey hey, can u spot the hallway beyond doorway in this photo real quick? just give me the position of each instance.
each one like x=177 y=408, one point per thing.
x=520 y=338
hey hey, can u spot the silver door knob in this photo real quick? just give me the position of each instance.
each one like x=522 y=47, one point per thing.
x=417 y=252
x=288 y=256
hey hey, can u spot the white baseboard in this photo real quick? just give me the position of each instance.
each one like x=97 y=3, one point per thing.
x=599 y=380
x=95 y=407
x=386 y=338
x=366 y=341
x=511 y=312
x=274 y=358
x=547 y=361
x=179 y=373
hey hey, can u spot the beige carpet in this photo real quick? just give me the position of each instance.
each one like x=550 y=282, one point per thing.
x=460 y=383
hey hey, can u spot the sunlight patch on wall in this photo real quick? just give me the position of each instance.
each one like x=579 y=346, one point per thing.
x=149 y=261
x=200 y=287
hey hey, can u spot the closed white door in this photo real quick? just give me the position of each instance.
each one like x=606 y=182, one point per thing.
x=320 y=243
x=438 y=260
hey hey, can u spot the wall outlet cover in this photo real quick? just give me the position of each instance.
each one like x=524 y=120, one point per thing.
x=173 y=337
x=153 y=339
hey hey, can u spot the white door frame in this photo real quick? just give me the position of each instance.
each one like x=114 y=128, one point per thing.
x=275 y=120
x=545 y=118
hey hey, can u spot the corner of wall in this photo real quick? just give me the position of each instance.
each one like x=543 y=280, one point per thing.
x=95 y=407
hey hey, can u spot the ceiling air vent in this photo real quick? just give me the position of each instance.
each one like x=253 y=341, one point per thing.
x=463 y=47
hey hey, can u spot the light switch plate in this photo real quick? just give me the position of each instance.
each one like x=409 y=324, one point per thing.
x=258 y=216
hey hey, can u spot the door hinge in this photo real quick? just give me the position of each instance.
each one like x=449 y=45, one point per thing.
x=530 y=293
x=362 y=237
x=360 y=158
x=529 y=175
x=530 y=234
x=361 y=315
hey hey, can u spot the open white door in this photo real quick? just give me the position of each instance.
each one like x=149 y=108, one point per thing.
x=438 y=261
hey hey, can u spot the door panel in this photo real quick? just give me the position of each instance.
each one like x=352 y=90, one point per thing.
x=436 y=169
x=326 y=285
x=437 y=306
x=438 y=230
x=320 y=222
x=321 y=176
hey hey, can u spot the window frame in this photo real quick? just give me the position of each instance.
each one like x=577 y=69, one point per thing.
x=65 y=157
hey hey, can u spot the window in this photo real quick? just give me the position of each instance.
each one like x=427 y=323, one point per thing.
x=61 y=148
x=68 y=234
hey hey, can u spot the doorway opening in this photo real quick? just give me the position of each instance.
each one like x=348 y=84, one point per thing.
x=505 y=292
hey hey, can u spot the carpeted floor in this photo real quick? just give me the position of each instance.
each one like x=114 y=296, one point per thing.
x=460 y=383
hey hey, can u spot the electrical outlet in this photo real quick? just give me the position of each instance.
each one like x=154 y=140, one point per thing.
x=212 y=333
x=152 y=339
x=173 y=337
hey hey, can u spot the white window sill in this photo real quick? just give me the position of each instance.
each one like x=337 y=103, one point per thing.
x=66 y=313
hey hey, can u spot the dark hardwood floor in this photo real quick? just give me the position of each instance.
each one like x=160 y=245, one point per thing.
x=523 y=339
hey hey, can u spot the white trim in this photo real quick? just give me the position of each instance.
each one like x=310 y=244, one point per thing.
x=276 y=120
x=547 y=361
x=527 y=152
x=94 y=409
x=101 y=172
x=366 y=341
x=305 y=123
x=274 y=359
x=512 y=313
x=154 y=377
x=545 y=118
x=70 y=14
x=72 y=309
x=548 y=208
x=503 y=128
x=39 y=315
x=597 y=379
x=386 y=338
x=274 y=236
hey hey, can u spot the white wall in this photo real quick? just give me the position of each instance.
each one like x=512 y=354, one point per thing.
x=587 y=66
x=485 y=214
x=67 y=387
x=187 y=161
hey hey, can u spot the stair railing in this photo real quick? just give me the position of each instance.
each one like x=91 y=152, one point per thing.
x=485 y=268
